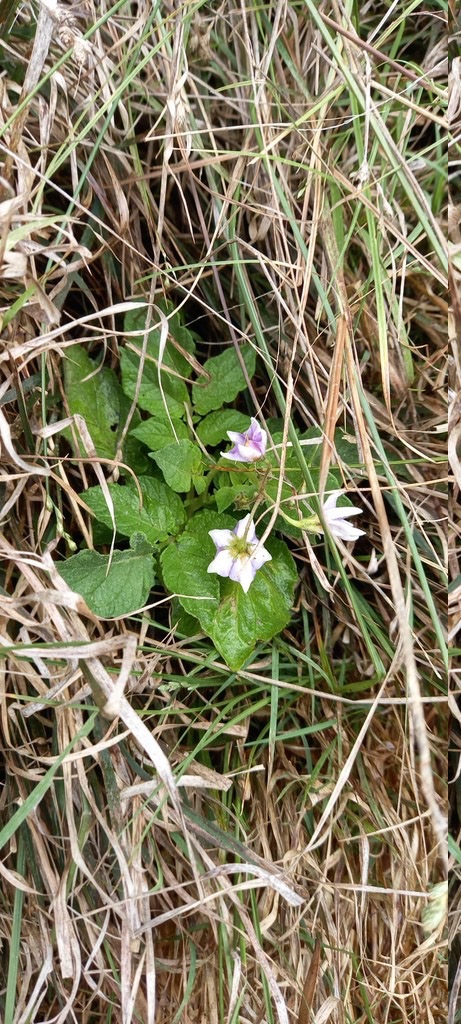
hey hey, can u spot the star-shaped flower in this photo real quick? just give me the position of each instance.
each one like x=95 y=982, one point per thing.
x=248 y=447
x=336 y=517
x=238 y=553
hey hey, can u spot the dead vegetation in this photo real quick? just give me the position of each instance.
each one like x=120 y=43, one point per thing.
x=181 y=844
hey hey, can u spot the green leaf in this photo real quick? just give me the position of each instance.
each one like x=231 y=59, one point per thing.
x=96 y=395
x=180 y=340
x=174 y=364
x=311 y=445
x=156 y=433
x=161 y=514
x=149 y=396
x=134 y=454
x=121 y=590
x=345 y=447
x=200 y=483
x=235 y=621
x=140 y=544
x=184 y=568
x=454 y=850
x=182 y=622
x=241 y=620
x=207 y=520
x=179 y=463
x=240 y=495
x=226 y=379
x=213 y=429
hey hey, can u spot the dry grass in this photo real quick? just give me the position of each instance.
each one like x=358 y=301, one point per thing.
x=454 y=606
x=180 y=844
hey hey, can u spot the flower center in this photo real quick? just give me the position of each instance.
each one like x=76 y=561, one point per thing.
x=240 y=548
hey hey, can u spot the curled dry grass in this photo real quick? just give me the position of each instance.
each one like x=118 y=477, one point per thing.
x=215 y=848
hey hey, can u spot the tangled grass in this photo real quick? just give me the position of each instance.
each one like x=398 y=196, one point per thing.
x=182 y=843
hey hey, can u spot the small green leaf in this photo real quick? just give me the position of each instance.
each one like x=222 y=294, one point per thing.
x=213 y=429
x=179 y=463
x=94 y=394
x=140 y=544
x=226 y=379
x=199 y=483
x=240 y=495
x=180 y=341
x=174 y=363
x=149 y=396
x=121 y=590
x=161 y=514
x=156 y=433
x=134 y=454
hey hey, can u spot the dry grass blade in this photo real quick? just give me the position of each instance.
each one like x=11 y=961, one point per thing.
x=310 y=986
x=331 y=414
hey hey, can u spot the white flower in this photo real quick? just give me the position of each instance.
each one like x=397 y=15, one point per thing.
x=238 y=554
x=336 y=518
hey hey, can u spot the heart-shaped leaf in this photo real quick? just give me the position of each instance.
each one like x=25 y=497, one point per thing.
x=226 y=379
x=95 y=394
x=179 y=463
x=213 y=429
x=168 y=361
x=161 y=512
x=111 y=591
x=158 y=433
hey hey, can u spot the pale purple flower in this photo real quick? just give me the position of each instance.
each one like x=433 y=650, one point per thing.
x=248 y=447
x=238 y=553
x=336 y=518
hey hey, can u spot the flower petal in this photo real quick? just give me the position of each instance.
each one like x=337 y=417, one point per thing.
x=336 y=517
x=260 y=557
x=257 y=434
x=248 y=446
x=344 y=512
x=247 y=452
x=222 y=563
x=330 y=502
x=345 y=531
x=241 y=568
x=242 y=527
x=234 y=454
x=243 y=571
x=221 y=538
x=330 y=507
x=252 y=450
